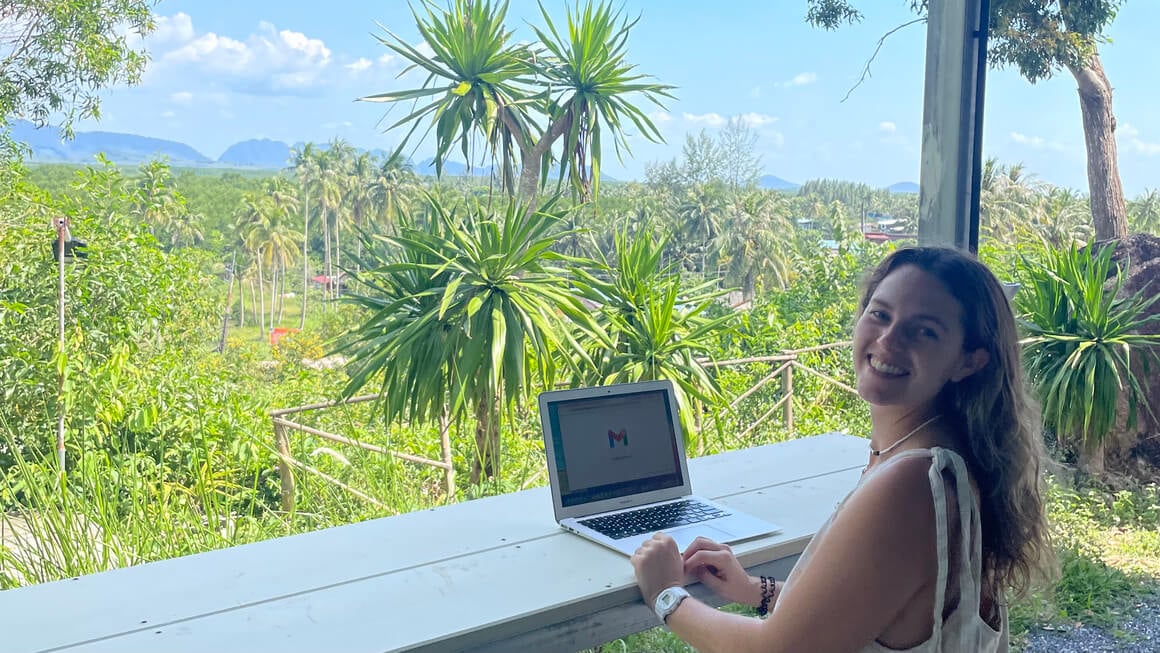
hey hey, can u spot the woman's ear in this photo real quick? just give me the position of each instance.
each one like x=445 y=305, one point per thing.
x=972 y=362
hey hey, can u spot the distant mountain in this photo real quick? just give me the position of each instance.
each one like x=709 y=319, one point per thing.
x=47 y=146
x=426 y=167
x=776 y=183
x=903 y=187
x=257 y=153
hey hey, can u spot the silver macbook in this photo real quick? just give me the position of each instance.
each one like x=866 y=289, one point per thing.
x=616 y=463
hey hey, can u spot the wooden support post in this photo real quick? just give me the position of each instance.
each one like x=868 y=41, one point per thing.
x=787 y=394
x=284 y=472
x=445 y=450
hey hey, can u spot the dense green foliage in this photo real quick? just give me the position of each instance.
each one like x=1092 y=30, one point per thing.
x=1083 y=338
x=58 y=53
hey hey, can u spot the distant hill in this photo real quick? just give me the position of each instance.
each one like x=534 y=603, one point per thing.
x=450 y=169
x=776 y=183
x=257 y=153
x=903 y=187
x=47 y=146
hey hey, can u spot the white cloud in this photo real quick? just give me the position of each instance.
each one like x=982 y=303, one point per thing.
x=387 y=59
x=181 y=97
x=1036 y=142
x=168 y=114
x=755 y=92
x=177 y=28
x=756 y=119
x=345 y=124
x=268 y=61
x=1129 y=138
x=777 y=137
x=887 y=127
x=707 y=119
x=660 y=117
x=801 y=79
x=359 y=65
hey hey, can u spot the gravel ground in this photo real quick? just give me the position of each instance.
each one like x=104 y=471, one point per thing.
x=1139 y=634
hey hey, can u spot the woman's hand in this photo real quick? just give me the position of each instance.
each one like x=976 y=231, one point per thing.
x=715 y=565
x=658 y=565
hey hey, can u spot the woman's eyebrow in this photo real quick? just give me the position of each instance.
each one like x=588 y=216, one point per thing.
x=920 y=316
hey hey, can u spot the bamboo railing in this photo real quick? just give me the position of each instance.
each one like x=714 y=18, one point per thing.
x=784 y=364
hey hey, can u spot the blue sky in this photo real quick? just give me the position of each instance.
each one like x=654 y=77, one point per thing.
x=222 y=72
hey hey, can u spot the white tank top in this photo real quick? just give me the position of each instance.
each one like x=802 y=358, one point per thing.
x=961 y=630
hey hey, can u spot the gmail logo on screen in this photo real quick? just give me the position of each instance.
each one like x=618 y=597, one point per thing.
x=620 y=436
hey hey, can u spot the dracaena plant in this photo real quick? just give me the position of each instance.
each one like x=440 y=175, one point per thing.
x=1082 y=339
x=653 y=325
x=570 y=92
x=467 y=313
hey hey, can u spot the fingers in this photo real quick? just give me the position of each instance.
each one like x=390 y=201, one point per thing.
x=716 y=562
x=705 y=544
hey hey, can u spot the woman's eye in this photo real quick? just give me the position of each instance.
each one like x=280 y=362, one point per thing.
x=929 y=333
x=878 y=315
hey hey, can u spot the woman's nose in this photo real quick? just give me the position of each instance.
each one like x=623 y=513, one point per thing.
x=891 y=337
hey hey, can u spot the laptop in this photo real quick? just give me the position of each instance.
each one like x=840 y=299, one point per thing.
x=618 y=473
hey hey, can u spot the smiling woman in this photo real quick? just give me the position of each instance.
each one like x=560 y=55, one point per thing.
x=948 y=518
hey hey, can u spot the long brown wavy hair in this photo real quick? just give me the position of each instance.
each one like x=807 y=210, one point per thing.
x=998 y=421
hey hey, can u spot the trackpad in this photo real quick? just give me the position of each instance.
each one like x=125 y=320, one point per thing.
x=685 y=536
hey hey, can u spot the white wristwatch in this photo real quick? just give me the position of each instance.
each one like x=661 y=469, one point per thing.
x=668 y=600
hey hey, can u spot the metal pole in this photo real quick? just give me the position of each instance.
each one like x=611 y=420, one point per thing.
x=61 y=232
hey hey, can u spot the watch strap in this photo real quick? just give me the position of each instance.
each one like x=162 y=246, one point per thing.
x=668 y=600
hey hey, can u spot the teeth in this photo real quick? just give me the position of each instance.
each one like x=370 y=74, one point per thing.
x=884 y=368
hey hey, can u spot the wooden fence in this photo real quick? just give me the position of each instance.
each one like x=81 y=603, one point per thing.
x=784 y=364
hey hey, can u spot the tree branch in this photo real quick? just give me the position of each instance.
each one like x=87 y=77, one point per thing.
x=881 y=42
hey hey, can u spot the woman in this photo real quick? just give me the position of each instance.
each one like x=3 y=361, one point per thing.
x=948 y=514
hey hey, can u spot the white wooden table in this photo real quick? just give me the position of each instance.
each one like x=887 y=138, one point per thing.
x=492 y=574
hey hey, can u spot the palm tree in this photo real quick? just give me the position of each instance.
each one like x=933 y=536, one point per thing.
x=280 y=235
x=753 y=241
x=1144 y=212
x=699 y=213
x=469 y=311
x=338 y=193
x=388 y=188
x=481 y=83
x=250 y=226
x=305 y=162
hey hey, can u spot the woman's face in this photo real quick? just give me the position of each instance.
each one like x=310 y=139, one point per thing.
x=908 y=343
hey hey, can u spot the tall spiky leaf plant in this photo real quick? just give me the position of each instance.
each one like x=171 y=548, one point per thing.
x=468 y=313
x=654 y=325
x=1082 y=337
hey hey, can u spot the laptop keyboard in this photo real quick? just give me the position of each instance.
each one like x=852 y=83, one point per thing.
x=653 y=518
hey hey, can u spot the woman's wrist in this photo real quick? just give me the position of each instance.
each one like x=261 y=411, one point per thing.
x=754 y=592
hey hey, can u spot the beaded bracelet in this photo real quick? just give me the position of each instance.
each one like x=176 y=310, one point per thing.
x=768 y=589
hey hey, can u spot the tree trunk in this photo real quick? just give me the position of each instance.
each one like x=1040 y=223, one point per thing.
x=305 y=260
x=273 y=293
x=326 y=255
x=486 y=463
x=281 y=292
x=1109 y=213
x=242 y=305
x=261 y=302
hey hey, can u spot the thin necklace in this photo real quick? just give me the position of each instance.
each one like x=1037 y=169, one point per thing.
x=879 y=452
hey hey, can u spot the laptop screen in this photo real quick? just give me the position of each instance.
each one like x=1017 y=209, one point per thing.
x=614 y=446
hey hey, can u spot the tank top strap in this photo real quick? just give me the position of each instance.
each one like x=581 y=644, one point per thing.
x=971 y=527
x=970 y=543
